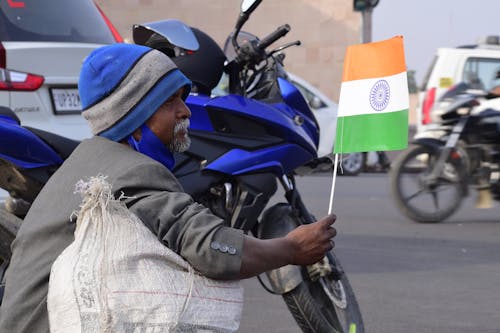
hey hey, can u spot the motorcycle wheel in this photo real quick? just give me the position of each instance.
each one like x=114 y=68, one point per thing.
x=352 y=164
x=423 y=201
x=325 y=305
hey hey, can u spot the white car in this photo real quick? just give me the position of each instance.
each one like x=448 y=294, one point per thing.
x=477 y=65
x=325 y=110
x=42 y=46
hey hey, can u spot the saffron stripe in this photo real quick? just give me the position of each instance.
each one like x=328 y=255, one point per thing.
x=372 y=60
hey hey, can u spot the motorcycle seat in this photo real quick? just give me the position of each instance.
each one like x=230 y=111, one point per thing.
x=61 y=145
x=5 y=111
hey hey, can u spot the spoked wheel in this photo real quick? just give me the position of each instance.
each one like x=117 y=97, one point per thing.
x=325 y=305
x=419 y=197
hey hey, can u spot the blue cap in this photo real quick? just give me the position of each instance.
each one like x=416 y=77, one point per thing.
x=122 y=85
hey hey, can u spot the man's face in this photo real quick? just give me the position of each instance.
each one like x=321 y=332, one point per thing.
x=170 y=123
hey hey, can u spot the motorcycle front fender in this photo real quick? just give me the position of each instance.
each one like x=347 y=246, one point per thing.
x=284 y=279
x=277 y=221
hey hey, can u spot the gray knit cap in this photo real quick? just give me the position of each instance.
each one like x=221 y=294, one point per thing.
x=122 y=85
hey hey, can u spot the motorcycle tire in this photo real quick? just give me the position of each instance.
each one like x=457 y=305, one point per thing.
x=424 y=203
x=315 y=311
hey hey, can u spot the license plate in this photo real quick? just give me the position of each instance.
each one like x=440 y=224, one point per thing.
x=66 y=100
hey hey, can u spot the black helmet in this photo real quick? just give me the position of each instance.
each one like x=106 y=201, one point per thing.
x=195 y=53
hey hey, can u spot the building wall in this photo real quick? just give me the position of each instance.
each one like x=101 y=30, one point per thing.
x=325 y=28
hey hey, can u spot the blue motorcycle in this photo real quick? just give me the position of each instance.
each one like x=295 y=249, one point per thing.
x=250 y=130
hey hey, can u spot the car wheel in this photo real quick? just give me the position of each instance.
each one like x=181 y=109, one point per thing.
x=351 y=164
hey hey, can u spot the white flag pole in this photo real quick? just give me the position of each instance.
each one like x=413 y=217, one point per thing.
x=335 y=163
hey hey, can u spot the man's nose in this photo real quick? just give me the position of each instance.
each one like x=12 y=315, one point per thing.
x=185 y=111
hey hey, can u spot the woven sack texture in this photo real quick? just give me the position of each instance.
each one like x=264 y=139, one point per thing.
x=117 y=277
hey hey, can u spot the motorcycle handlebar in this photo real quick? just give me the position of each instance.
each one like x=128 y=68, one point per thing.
x=273 y=36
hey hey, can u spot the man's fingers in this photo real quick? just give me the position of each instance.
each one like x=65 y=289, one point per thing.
x=330 y=235
x=329 y=219
x=328 y=231
x=331 y=232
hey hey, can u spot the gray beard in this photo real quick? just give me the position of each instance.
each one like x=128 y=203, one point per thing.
x=180 y=145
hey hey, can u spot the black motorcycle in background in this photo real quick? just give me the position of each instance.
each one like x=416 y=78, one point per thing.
x=431 y=178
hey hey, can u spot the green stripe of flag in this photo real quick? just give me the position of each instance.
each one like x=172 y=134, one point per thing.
x=372 y=132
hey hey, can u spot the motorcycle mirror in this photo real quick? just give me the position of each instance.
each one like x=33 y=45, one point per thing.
x=248 y=6
x=174 y=31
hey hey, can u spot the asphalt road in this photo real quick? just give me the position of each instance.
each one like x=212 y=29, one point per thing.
x=408 y=277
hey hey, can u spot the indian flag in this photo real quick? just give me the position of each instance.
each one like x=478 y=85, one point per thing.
x=374 y=100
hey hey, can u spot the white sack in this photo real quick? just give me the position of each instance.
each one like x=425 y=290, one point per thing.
x=117 y=277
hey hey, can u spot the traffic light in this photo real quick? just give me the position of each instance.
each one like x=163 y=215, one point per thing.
x=362 y=5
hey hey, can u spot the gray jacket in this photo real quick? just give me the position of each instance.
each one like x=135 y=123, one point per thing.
x=181 y=224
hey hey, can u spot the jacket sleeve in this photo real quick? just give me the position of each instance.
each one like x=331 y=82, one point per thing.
x=181 y=224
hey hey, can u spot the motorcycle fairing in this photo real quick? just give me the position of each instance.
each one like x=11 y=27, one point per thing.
x=292 y=96
x=199 y=115
x=278 y=160
x=207 y=147
x=235 y=135
x=277 y=119
x=23 y=148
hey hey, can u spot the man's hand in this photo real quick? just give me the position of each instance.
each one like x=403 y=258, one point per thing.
x=305 y=245
x=311 y=242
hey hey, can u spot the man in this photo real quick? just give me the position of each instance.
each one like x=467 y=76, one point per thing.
x=133 y=98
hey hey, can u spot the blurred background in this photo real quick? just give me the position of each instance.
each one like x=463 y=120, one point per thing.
x=326 y=27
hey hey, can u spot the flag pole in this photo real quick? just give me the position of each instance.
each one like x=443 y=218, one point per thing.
x=335 y=163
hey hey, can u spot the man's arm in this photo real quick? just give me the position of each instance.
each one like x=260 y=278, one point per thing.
x=304 y=245
x=200 y=237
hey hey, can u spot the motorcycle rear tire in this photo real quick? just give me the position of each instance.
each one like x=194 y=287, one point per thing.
x=314 y=311
x=403 y=166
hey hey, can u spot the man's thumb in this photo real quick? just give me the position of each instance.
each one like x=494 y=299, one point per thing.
x=329 y=219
